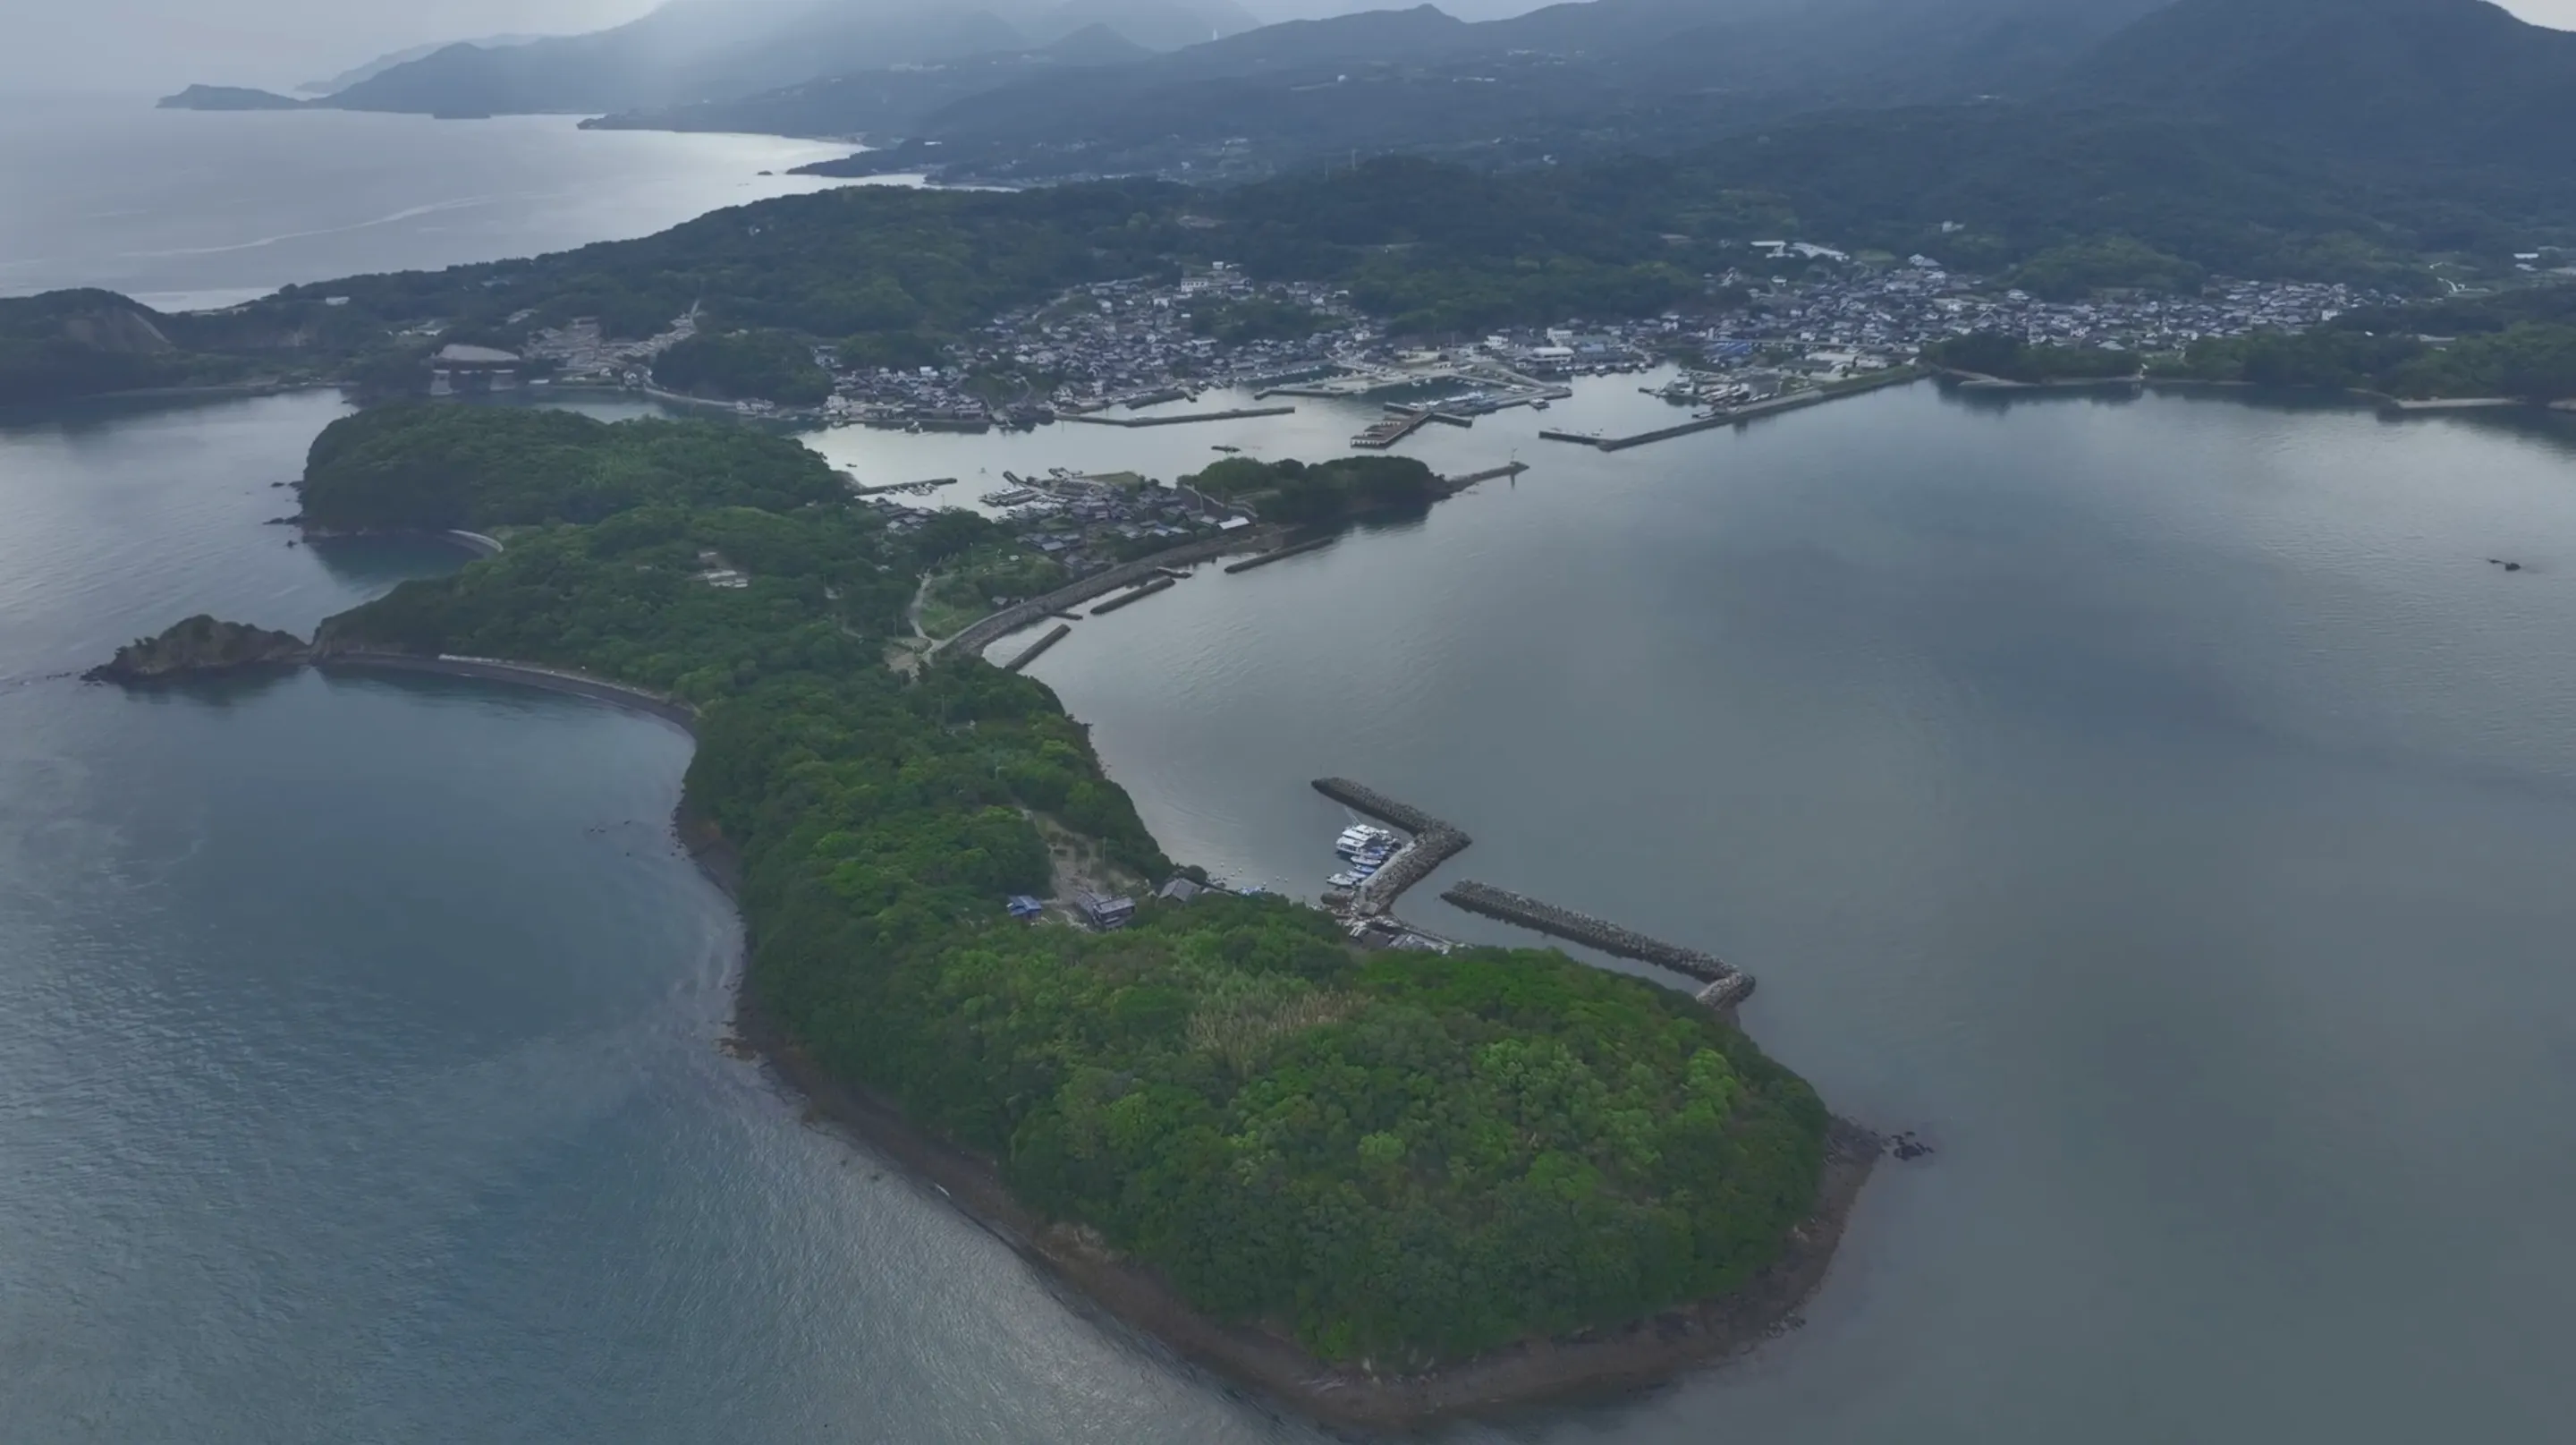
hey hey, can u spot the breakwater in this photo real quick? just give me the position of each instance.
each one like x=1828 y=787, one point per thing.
x=1237 y=414
x=1452 y=486
x=1011 y=619
x=1030 y=653
x=1159 y=584
x=1281 y=555
x=1735 y=416
x=1434 y=842
x=1726 y=985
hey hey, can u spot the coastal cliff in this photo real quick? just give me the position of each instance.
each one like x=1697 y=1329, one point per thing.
x=202 y=645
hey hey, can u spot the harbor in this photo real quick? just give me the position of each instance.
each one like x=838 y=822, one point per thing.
x=1382 y=862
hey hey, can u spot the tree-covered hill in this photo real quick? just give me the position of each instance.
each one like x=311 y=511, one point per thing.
x=1400 y=1157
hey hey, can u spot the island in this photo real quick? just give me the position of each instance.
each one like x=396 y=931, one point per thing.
x=1383 y=1186
x=229 y=97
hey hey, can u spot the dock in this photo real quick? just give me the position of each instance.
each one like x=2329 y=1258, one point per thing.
x=1280 y=555
x=1433 y=843
x=1238 y=414
x=1158 y=584
x=1726 y=987
x=1399 y=424
x=918 y=489
x=1030 y=653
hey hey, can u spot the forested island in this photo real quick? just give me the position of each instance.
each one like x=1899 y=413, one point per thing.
x=1390 y=1166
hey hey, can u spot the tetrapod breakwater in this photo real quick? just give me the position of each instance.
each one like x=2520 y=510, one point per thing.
x=1727 y=986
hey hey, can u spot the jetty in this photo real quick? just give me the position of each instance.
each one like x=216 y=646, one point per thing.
x=1726 y=987
x=1129 y=599
x=1280 y=555
x=1433 y=842
x=918 y=489
x=1455 y=485
x=1739 y=415
x=1030 y=653
x=1237 y=414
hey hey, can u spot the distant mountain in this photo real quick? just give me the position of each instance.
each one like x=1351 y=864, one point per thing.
x=687 y=51
x=874 y=103
x=228 y=97
x=1568 y=80
x=2442 y=83
x=694 y=51
x=383 y=63
x=1153 y=24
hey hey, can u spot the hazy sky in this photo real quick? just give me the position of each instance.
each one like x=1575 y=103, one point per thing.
x=157 y=45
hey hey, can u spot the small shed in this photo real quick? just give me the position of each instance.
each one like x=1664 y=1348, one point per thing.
x=1023 y=906
x=1180 y=890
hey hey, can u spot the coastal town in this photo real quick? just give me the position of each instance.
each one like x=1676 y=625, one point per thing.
x=1793 y=317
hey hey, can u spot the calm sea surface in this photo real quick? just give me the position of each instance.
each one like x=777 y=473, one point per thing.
x=2162 y=805
x=185 y=210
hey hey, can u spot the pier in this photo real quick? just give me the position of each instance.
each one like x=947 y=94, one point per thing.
x=1433 y=843
x=1028 y=655
x=1398 y=425
x=1455 y=485
x=1158 y=584
x=1281 y=555
x=1726 y=985
x=1238 y=414
x=918 y=489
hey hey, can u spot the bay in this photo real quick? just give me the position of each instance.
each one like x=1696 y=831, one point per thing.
x=189 y=210
x=2162 y=804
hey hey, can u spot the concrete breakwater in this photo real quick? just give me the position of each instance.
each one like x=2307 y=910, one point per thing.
x=1159 y=584
x=1434 y=842
x=1726 y=985
x=1011 y=619
x=1281 y=555
x=1238 y=414
x=1056 y=634
x=1733 y=416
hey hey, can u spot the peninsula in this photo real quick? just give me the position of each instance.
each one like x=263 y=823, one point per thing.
x=1381 y=1186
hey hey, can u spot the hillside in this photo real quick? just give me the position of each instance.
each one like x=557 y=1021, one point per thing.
x=2411 y=83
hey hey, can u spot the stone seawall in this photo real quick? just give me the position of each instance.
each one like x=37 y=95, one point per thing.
x=575 y=684
x=1727 y=986
x=1055 y=634
x=984 y=634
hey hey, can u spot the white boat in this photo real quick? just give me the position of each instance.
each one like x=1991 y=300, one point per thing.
x=1344 y=880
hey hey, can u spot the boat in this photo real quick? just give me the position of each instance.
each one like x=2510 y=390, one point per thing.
x=1344 y=880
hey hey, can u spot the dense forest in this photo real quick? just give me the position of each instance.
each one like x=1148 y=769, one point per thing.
x=1295 y=492
x=428 y=467
x=733 y=365
x=1394 y=1156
